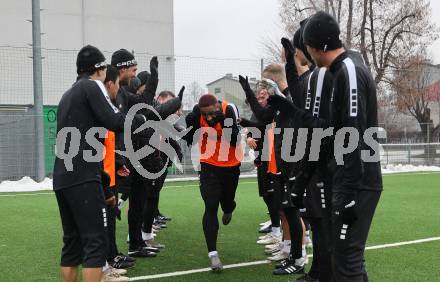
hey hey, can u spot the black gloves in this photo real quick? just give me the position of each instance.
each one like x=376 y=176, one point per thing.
x=246 y=87
x=281 y=104
x=289 y=50
x=154 y=67
x=244 y=82
x=345 y=207
x=181 y=93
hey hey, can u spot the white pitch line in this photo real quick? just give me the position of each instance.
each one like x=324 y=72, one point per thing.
x=244 y=264
x=186 y=272
x=398 y=244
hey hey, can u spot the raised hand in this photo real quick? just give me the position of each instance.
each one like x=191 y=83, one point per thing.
x=123 y=171
x=154 y=66
x=244 y=83
x=289 y=50
x=252 y=143
x=181 y=93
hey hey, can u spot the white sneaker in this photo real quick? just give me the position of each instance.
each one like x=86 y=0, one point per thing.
x=266 y=223
x=302 y=261
x=306 y=259
x=145 y=238
x=110 y=275
x=274 y=248
x=216 y=264
x=278 y=256
x=264 y=237
x=119 y=271
x=309 y=243
x=271 y=246
x=271 y=239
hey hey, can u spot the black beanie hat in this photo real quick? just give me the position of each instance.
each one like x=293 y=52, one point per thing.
x=296 y=39
x=123 y=59
x=143 y=77
x=303 y=47
x=322 y=32
x=89 y=59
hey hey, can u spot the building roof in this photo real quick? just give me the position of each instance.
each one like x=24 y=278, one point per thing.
x=229 y=76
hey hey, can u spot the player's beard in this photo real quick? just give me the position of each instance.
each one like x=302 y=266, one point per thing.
x=124 y=80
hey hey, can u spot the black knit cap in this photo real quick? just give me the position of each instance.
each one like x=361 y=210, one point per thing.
x=89 y=59
x=123 y=59
x=322 y=32
x=143 y=77
x=296 y=39
x=303 y=47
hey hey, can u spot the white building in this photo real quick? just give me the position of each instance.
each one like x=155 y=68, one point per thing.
x=143 y=26
x=229 y=88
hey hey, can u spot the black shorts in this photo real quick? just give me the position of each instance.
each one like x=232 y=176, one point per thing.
x=286 y=187
x=84 y=220
x=265 y=186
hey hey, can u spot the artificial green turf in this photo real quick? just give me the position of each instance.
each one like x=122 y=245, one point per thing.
x=30 y=236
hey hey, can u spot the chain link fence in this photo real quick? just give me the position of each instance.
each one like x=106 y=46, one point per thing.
x=17 y=117
x=403 y=145
x=415 y=144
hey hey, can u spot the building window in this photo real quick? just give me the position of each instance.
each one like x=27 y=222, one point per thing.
x=217 y=90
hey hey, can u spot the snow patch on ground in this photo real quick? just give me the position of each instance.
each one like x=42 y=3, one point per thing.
x=27 y=184
x=391 y=168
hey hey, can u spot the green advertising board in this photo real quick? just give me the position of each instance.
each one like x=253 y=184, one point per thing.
x=50 y=136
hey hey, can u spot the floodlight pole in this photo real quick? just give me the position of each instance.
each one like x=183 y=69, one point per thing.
x=38 y=91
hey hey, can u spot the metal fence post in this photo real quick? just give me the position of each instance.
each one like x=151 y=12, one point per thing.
x=38 y=90
x=428 y=125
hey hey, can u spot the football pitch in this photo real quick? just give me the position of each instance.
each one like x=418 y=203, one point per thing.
x=408 y=212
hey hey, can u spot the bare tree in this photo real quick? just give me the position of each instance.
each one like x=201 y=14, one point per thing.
x=412 y=84
x=194 y=92
x=272 y=50
x=383 y=31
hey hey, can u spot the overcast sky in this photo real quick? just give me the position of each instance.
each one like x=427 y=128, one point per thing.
x=235 y=29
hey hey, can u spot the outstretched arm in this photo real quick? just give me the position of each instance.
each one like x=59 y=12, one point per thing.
x=263 y=114
x=150 y=87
